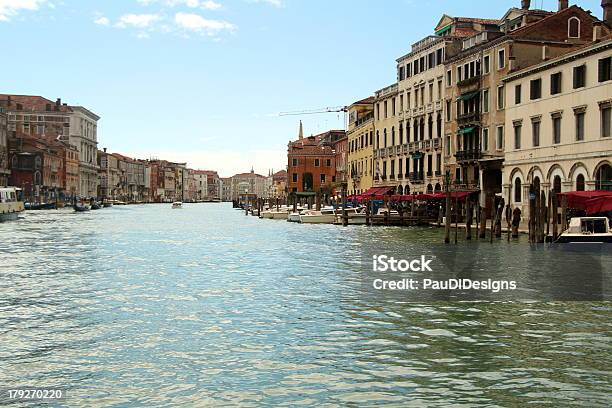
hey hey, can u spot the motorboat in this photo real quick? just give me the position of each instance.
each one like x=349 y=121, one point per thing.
x=327 y=215
x=40 y=206
x=276 y=214
x=10 y=206
x=383 y=210
x=107 y=204
x=177 y=205
x=95 y=206
x=593 y=230
x=80 y=207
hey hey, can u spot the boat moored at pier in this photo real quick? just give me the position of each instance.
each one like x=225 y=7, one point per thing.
x=591 y=230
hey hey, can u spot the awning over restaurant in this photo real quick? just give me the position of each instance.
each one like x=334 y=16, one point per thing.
x=376 y=191
x=468 y=96
x=590 y=201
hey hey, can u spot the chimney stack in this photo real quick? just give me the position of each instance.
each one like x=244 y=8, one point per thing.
x=607 y=11
x=563 y=4
x=58 y=102
x=525 y=4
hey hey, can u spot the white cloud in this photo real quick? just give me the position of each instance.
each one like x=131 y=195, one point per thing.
x=197 y=23
x=10 y=8
x=102 y=21
x=137 y=20
x=275 y=3
x=203 y=4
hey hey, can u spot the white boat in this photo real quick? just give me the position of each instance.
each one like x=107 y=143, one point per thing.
x=276 y=214
x=10 y=206
x=177 y=205
x=594 y=230
x=382 y=211
x=325 y=216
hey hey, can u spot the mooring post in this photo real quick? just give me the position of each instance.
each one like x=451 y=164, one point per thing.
x=468 y=220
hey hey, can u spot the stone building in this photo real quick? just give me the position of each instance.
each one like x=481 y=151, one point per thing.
x=360 y=165
x=558 y=121
x=475 y=128
x=84 y=135
x=385 y=134
x=248 y=183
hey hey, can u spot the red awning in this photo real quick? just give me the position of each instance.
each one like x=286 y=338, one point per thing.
x=579 y=199
x=455 y=195
x=598 y=205
x=376 y=191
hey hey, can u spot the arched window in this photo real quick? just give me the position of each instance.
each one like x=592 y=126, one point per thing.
x=580 y=183
x=401 y=134
x=573 y=27
x=407 y=190
x=518 y=194
x=393 y=136
x=557 y=184
x=429 y=189
x=430 y=127
x=604 y=178
x=536 y=185
x=385 y=137
x=14 y=162
x=400 y=190
x=438 y=188
x=377 y=140
x=407 y=131
x=439 y=126
x=37 y=178
x=38 y=162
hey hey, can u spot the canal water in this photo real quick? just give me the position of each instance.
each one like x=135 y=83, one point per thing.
x=147 y=306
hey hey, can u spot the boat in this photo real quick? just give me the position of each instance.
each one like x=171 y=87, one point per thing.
x=40 y=206
x=107 y=204
x=80 y=208
x=383 y=210
x=95 y=206
x=177 y=205
x=325 y=216
x=591 y=230
x=10 y=206
x=276 y=214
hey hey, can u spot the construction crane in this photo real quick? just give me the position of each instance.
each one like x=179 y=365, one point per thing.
x=334 y=109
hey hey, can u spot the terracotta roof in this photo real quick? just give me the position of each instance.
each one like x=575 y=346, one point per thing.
x=366 y=101
x=478 y=20
x=32 y=103
x=247 y=175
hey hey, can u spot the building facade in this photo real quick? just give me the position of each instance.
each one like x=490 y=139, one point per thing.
x=559 y=129
x=360 y=153
x=475 y=130
x=4 y=163
x=385 y=134
x=312 y=162
x=84 y=135
x=250 y=184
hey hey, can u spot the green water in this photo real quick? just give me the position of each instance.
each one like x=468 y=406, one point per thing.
x=147 y=306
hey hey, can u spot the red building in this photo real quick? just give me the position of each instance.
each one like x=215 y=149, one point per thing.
x=312 y=162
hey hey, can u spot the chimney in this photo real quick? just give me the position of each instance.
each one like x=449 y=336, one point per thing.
x=525 y=4
x=58 y=102
x=597 y=31
x=105 y=150
x=563 y=4
x=9 y=101
x=607 y=11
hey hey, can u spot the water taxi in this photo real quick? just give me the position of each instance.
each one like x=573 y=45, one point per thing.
x=177 y=205
x=593 y=230
x=327 y=215
x=10 y=206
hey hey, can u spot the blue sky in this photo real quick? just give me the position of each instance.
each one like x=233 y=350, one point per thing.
x=202 y=81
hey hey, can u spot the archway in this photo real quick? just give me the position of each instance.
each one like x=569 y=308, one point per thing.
x=400 y=190
x=438 y=188
x=603 y=178
x=518 y=193
x=307 y=184
x=429 y=189
x=536 y=185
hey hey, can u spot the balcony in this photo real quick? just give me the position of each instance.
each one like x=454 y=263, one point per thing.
x=391 y=151
x=438 y=105
x=471 y=83
x=438 y=173
x=427 y=144
x=392 y=177
x=376 y=154
x=429 y=108
x=469 y=118
x=416 y=177
x=468 y=155
x=405 y=148
x=437 y=143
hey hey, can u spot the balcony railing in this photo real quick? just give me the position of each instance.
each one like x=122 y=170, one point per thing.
x=437 y=143
x=468 y=155
x=427 y=144
x=405 y=149
x=416 y=177
x=469 y=82
x=470 y=117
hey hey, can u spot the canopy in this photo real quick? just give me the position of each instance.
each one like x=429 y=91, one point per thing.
x=579 y=199
x=376 y=191
x=599 y=205
x=466 y=130
x=468 y=96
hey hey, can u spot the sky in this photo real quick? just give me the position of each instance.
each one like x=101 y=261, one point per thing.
x=204 y=81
